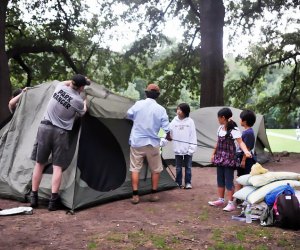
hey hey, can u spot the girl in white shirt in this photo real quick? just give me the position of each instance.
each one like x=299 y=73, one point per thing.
x=184 y=137
x=224 y=159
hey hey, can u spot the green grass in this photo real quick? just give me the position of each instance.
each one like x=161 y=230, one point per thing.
x=250 y=237
x=290 y=132
x=92 y=245
x=203 y=215
x=138 y=238
x=279 y=144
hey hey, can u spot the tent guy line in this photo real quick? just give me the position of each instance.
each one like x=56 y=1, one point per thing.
x=198 y=145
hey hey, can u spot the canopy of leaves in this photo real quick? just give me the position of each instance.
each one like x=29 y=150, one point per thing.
x=173 y=66
x=48 y=40
x=277 y=50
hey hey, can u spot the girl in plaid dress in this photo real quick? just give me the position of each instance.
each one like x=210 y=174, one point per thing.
x=224 y=158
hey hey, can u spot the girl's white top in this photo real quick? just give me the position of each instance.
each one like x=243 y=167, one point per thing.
x=236 y=133
x=183 y=133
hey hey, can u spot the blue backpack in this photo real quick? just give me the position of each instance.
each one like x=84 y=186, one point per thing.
x=272 y=195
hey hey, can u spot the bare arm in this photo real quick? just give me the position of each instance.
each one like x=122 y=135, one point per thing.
x=84 y=106
x=213 y=154
x=67 y=83
x=243 y=162
x=243 y=147
x=14 y=101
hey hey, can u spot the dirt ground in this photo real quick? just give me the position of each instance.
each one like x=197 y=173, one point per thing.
x=182 y=219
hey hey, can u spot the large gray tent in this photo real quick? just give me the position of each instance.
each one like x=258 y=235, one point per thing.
x=99 y=151
x=206 y=123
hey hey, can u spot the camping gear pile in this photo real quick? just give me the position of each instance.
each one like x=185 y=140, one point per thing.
x=275 y=192
x=98 y=151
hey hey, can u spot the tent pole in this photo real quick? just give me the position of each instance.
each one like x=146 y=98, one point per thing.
x=167 y=166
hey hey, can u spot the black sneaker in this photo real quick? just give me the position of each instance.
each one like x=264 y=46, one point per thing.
x=34 y=200
x=54 y=204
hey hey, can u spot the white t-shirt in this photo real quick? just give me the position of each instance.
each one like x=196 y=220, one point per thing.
x=236 y=133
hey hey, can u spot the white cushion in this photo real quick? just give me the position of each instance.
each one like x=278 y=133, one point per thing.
x=297 y=193
x=263 y=179
x=243 y=193
x=259 y=194
x=244 y=180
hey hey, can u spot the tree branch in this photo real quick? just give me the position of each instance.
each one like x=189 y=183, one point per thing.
x=271 y=63
x=90 y=55
x=294 y=80
x=19 y=59
x=43 y=47
x=187 y=54
x=257 y=72
x=160 y=17
x=15 y=28
x=62 y=10
x=193 y=8
x=67 y=35
x=192 y=42
x=256 y=7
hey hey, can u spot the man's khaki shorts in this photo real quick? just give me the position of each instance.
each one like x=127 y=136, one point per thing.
x=149 y=152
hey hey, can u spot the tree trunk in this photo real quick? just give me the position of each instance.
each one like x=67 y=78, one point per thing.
x=212 y=14
x=5 y=86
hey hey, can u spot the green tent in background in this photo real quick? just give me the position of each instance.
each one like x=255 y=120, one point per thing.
x=99 y=152
x=206 y=123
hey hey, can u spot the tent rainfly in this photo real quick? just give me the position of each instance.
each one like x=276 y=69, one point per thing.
x=206 y=124
x=98 y=151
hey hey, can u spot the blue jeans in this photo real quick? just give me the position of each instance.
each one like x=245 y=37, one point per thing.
x=225 y=176
x=187 y=161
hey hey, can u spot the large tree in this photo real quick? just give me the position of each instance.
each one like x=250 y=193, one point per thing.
x=65 y=44
x=5 y=87
x=211 y=16
x=203 y=20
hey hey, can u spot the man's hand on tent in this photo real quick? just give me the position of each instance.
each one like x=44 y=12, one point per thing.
x=67 y=82
x=168 y=136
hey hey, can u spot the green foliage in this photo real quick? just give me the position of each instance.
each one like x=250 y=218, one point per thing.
x=131 y=92
x=35 y=28
x=271 y=85
x=57 y=39
x=265 y=80
x=173 y=66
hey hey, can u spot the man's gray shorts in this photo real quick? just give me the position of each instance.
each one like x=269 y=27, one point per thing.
x=51 y=139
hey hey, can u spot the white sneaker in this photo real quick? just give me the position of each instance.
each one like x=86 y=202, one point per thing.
x=230 y=207
x=188 y=186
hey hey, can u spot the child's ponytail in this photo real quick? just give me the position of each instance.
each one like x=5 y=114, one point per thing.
x=227 y=113
x=230 y=126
